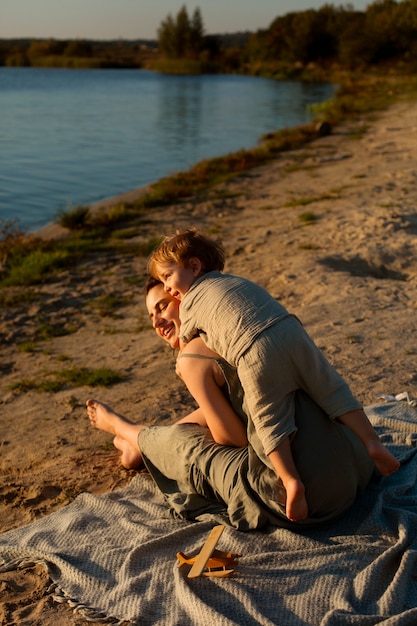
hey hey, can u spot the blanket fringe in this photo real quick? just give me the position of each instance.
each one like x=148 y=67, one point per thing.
x=59 y=595
x=19 y=563
x=87 y=613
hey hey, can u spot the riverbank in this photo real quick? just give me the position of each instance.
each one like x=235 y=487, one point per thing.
x=329 y=229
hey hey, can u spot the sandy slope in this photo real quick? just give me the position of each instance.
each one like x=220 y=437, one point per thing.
x=350 y=275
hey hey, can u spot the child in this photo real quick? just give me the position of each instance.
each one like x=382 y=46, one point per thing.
x=273 y=355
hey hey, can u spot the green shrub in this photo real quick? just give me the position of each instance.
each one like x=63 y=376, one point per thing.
x=35 y=267
x=75 y=218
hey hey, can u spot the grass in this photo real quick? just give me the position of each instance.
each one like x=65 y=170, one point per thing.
x=32 y=261
x=27 y=346
x=10 y=298
x=303 y=201
x=364 y=93
x=45 y=331
x=70 y=378
x=74 y=218
x=36 y=267
x=297 y=167
x=307 y=217
x=107 y=305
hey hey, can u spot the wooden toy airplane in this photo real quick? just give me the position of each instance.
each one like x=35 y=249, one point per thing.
x=209 y=561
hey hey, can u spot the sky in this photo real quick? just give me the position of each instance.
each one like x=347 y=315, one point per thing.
x=139 y=19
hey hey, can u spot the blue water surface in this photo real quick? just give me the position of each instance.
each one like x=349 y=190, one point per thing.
x=70 y=137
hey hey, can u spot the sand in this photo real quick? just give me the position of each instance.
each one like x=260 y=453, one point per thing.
x=330 y=230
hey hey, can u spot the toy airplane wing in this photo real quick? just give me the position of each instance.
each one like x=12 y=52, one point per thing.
x=209 y=561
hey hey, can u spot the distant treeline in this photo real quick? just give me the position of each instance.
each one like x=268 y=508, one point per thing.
x=385 y=34
x=78 y=53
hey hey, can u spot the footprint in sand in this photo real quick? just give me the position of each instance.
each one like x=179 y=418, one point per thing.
x=39 y=495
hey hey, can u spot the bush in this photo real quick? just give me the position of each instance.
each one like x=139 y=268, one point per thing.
x=75 y=218
x=35 y=267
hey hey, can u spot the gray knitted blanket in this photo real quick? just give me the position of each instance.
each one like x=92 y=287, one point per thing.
x=113 y=557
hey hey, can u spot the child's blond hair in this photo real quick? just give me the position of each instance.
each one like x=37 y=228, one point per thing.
x=185 y=245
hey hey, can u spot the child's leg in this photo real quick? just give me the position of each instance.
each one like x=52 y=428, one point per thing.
x=283 y=462
x=357 y=421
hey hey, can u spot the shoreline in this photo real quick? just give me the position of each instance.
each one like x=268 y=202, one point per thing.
x=53 y=230
x=329 y=229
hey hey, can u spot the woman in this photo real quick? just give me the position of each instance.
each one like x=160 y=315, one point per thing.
x=203 y=464
x=206 y=380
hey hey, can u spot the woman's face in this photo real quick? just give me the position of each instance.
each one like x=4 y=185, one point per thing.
x=163 y=311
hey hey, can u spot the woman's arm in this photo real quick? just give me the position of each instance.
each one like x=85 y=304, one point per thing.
x=204 y=379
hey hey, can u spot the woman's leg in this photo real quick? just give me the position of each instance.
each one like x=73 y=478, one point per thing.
x=125 y=432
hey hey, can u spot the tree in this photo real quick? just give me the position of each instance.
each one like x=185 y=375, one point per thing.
x=182 y=33
x=181 y=37
x=78 y=48
x=196 y=38
x=45 y=47
x=388 y=35
x=166 y=37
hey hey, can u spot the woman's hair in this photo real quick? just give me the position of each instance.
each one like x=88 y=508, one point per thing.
x=152 y=282
x=185 y=245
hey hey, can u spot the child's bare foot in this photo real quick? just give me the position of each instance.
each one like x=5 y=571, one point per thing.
x=385 y=462
x=130 y=458
x=296 y=505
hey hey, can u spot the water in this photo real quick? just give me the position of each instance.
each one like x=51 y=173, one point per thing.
x=70 y=137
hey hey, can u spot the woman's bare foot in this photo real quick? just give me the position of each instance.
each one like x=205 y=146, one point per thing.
x=130 y=457
x=103 y=417
x=385 y=462
x=296 y=507
x=125 y=432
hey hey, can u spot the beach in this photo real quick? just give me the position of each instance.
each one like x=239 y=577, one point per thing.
x=329 y=230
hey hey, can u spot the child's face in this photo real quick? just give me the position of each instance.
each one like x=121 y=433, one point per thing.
x=176 y=279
